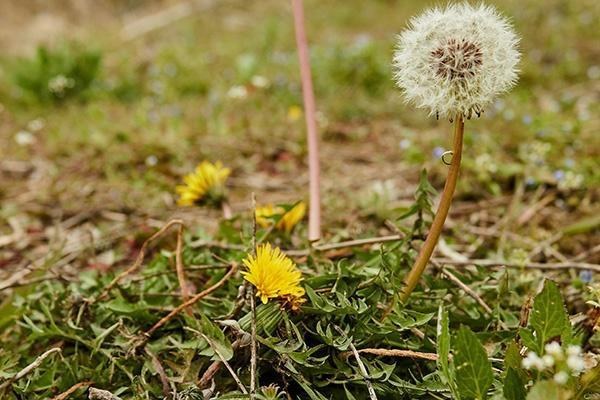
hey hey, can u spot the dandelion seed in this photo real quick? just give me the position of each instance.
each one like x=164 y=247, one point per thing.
x=287 y=219
x=273 y=274
x=456 y=60
x=207 y=182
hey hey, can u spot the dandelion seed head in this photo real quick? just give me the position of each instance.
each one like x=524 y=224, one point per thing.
x=456 y=60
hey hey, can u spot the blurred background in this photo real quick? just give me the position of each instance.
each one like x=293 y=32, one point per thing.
x=104 y=106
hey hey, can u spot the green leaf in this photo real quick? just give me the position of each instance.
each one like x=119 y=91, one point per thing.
x=443 y=341
x=217 y=339
x=548 y=316
x=473 y=369
x=590 y=381
x=443 y=350
x=529 y=340
x=513 y=386
x=512 y=357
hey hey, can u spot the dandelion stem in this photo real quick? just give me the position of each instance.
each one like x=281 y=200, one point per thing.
x=252 y=299
x=314 y=216
x=440 y=216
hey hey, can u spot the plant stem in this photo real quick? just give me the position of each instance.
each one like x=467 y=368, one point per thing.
x=440 y=216
x=252 y=299
x=314 y=215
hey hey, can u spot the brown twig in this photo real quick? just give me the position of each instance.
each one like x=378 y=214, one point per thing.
x=224 y=361
x=527 y=265
x=164 y=380
x=65 y=395
x=215 y=367
x=140 y=258
x=28 y=369
x=396 y=353
x=99 y=394
x=453 y=278
x=179 y=266
x=191 y=301
x=342 y=245
x=361 y=366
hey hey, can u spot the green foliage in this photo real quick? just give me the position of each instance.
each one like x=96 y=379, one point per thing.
x=514 y=388
x=359 y=65
x=58 y=74
x=473 y=369
x=548 y=318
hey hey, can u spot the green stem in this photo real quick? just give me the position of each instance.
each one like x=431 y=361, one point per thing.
x=440 y=216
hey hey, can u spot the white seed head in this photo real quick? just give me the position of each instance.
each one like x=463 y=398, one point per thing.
x=561 y=377
x=533 y=361
x=455 y=60
x=574 y=350
x=554 y=349
x=548 y=360
x=576 y=363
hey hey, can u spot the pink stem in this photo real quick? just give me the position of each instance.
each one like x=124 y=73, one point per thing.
x=314 y=216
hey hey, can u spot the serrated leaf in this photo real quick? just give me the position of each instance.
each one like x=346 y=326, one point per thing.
x=548 y=316
x=512 y=357
x=529 y=340
x=513 y=360
x=443 y=345
x=217 y=340
x=514 y=389
x=443 y=349
x=474 y=373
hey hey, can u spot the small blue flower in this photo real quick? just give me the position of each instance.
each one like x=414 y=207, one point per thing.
x=530 y=182
x=527 y=119
x=559 y=174
x=438 y=151
x=586 y=276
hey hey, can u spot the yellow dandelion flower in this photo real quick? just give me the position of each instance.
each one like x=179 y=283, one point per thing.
x=206 y=182
x=273 y=274
x=294 y=113
x=288 y=219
